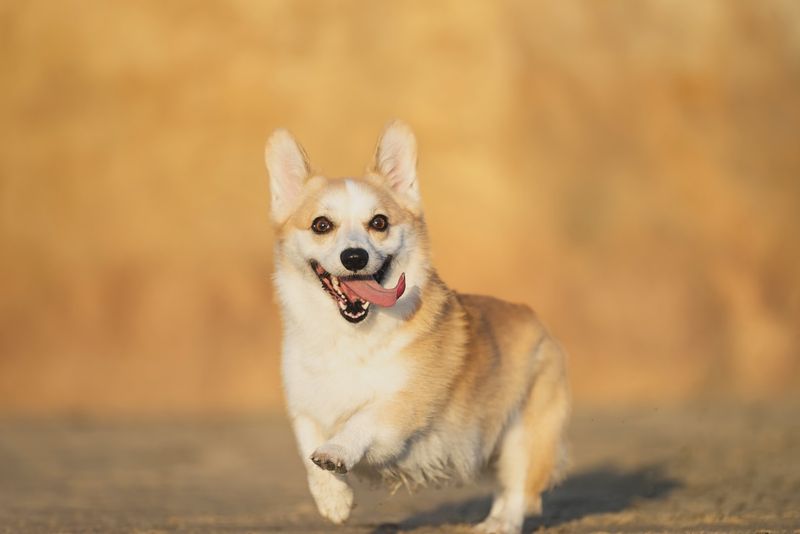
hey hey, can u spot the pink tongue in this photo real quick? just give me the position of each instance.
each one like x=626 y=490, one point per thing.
x=373 y=292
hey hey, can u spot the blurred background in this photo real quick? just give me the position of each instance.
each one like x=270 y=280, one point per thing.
x=630 y=169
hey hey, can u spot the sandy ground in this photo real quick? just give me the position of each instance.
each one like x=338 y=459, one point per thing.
x=702 y=468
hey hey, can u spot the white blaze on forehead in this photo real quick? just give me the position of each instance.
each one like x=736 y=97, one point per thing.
x=360 y=199
x=353 y=204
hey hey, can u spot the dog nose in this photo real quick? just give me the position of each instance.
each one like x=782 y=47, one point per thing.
x=354 y=259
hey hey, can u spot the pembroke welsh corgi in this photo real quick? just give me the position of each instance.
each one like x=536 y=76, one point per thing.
x=388 y=373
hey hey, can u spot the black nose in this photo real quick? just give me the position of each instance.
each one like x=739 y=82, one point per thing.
x=354 y=259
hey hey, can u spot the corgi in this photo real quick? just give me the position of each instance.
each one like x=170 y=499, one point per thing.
x=388 y=373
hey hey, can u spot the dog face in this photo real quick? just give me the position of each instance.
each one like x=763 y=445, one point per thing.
x=348 y=236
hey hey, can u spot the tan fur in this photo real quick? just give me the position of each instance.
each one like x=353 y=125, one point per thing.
x=479 y=358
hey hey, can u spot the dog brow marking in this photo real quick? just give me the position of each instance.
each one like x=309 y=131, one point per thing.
x=350 y=187
x=362 y=200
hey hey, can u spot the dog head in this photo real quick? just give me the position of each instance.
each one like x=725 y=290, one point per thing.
x=346 y=238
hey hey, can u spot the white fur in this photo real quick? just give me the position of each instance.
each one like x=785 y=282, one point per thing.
x=329 y=381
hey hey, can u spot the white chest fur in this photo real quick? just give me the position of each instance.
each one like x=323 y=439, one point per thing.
x=329 y=378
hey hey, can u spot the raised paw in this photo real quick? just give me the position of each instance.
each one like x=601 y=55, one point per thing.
x=330 y=458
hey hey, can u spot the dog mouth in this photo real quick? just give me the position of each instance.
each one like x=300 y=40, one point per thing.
x=354 y=294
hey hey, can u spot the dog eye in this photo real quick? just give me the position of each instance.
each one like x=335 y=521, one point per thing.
x=379 y=223
x=321 y=225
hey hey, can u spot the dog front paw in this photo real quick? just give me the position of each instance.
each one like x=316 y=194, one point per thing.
x=330 y=458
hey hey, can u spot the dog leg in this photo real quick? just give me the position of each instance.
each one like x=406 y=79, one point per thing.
x=332 y=494
x=508 y=506
x=531 y=451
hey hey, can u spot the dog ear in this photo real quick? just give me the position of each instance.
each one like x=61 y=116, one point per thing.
x=288 y=168
x=396 y=162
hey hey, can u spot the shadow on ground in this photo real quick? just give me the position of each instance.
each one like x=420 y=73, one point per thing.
x=598 y=490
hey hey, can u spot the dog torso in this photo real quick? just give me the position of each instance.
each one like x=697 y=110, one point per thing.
x=461 y=366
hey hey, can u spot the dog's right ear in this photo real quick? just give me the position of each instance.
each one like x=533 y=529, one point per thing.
x=288 y=168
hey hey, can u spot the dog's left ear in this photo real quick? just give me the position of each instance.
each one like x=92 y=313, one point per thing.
x=288 y=168
x=396 y=162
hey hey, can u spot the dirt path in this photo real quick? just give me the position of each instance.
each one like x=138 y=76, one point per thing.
x=712 y=468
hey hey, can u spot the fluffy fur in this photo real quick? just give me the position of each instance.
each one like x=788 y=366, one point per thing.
x=433 y=389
